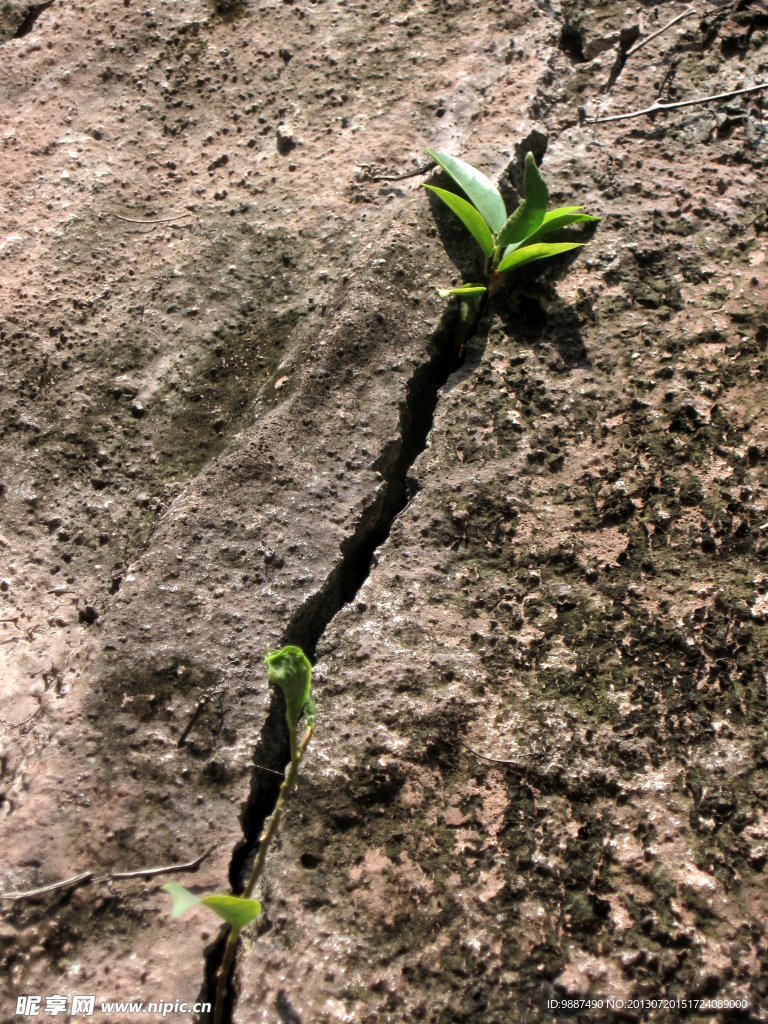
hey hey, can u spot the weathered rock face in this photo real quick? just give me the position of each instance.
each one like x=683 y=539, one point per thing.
x=210 y=421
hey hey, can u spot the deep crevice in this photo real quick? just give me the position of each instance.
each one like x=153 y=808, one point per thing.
x=30 y=18
x=571 y=44
x=310 y=620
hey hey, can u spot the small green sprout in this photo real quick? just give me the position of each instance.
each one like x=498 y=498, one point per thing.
x=290 y=669
x=234 y=910
x=507 y=241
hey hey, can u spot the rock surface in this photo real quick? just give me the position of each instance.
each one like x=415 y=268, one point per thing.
x=226 y=370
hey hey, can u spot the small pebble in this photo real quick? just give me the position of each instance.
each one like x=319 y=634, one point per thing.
x=285 y=140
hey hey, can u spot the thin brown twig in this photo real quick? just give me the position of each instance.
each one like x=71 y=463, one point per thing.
x=87 y=876
x=401 y=177
x=18 y=725
x=203 y=700
x=192 y=720
x=265 y=769
x=658 y=107
x=68 y=883
x=169 y=869
x=653 y=35
x=668 y=78
x=146 y=223
x=485 y=757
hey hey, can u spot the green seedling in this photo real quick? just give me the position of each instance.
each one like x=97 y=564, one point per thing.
x=234 y=910
x=289 y=669
x=507 y=241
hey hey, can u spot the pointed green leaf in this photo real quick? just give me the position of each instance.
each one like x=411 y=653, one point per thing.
x=235 y=911
x=482 y=192
x=564 y=221
x=183 y=900
x=466 y=289
x=551 y=224
x=290 y=669
x=469 y=216
x=521 y=225
x=539 y=251
x=559 y=211
x=531 y=213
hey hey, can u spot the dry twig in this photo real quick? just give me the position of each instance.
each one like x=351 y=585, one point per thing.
x=495 y=760
x=369 y=177
x=147 y=223
x=69 y=883
x=113 y=876
x=657 y=108
x=191 y=865
x=204 y=699
x=653 y=35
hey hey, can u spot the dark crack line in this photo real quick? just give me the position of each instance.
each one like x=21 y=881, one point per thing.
x=310 y=620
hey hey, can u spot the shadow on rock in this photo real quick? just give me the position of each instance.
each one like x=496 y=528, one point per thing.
x=538 y=316
x=534 y=313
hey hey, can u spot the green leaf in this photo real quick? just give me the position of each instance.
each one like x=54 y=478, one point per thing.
x=559 y=211
x=536 y=191
x=480 y=190
x=290 y=669
x=538 y=251
x=556 y=223
x=310 y=712
x=521 y=225
x=236 y=911
x=466 y=289
x=469 y=216
x=183 y=900
x=531 y=213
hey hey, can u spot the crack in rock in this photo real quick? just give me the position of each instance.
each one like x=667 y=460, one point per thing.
x=310 y=620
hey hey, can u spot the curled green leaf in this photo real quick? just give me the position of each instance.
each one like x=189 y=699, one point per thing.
x=469 y=216
x=538 y=251
x=289 y=668
x=480 y=190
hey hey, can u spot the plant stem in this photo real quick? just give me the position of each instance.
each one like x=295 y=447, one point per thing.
x=285 y=791
x=223 y=974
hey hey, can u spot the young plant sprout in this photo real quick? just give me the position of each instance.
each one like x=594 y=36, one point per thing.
x=289 y=669
x=507 y=241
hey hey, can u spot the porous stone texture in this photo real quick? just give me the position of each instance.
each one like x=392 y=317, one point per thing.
x=205 y=418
